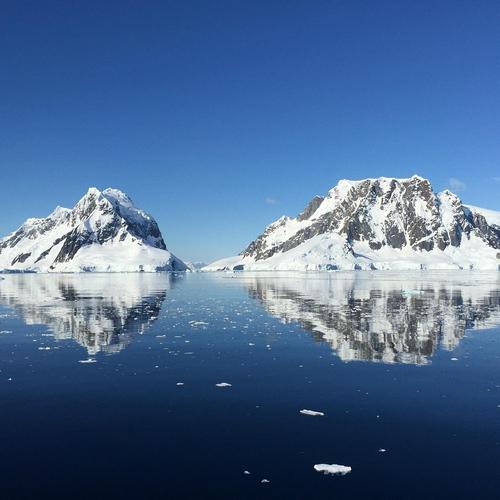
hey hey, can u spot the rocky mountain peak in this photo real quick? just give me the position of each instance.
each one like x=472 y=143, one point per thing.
x=106 y=221
x=380 y=223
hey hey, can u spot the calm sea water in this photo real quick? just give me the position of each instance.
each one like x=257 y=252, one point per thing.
x=92 y=406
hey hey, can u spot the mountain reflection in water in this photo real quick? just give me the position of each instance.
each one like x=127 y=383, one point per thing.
x=371 y=316
x=383 y=317
x=100 y=311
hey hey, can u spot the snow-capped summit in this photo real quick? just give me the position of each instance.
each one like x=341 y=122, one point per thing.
x=104 y=232
x=382 y=223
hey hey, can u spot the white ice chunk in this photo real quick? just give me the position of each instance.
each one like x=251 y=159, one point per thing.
x=333 y=469
x=312 y=413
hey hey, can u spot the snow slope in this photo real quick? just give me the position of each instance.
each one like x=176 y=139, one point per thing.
x=379 y=223
x=491 y=216
x=104 y=232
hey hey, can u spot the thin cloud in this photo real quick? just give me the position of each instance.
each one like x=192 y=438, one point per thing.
x=496 y=179
x=271 y=201
x=456 y=185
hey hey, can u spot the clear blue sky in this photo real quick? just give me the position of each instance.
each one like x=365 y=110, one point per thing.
x=218 y=117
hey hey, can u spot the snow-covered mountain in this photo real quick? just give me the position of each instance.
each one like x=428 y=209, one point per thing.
x=380 y=223
x=195 y=266
x=104 y=232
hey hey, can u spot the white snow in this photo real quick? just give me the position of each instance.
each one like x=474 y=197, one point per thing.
x=333 y=469
x=491 y=216
x=223 y=264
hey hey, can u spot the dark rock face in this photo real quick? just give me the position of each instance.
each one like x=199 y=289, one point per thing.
x=311 y=208
x=21 y=257
x=382 y=212
x=72 y=243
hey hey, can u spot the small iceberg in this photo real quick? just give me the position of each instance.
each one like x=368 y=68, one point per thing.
x=334 y=469
x=223 y=384
x=195 y=324
x=89 y=360
x=312 y=413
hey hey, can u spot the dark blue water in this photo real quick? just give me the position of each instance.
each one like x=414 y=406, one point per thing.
x=409 y=364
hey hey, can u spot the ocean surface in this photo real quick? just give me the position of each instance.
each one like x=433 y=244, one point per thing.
x=191 y=386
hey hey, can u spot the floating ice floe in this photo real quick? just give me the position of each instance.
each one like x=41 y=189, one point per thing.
x=247 y=472
x=333 y=469
x=223 y=384
x=454 y=359
x=194 y=324
x=312 y=413
x=264 y=481
x=180 y=383
x=89 y=360
x=382 y=450
x=44 y=348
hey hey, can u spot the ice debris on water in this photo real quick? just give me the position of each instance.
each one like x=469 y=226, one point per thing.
x=88 y=360
x=382 y=450
x=312 y=413
x=333 y=469
x=265 y=481
x=180 y=383
x=194 y=324
x=223 y=384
